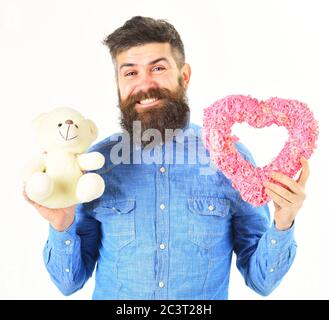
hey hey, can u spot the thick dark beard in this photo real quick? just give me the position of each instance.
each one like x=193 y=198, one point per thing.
x=173 y=113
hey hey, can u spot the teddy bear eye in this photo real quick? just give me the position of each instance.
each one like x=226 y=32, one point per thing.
x=59 y=125
x=76 y=126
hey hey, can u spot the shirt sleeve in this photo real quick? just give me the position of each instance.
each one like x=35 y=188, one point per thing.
x=264 y=253
x=70 y=256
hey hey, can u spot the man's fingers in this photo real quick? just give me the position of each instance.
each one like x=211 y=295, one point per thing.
x=282 y=192
x=286 y=181
x=295 y=186
x=277 y=199
x=302 y=179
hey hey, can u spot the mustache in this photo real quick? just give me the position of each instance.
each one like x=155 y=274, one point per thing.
x=173 y=112
x=153 y=93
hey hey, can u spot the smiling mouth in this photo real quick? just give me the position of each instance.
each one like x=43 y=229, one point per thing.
x=146 y=103
x=67 y=138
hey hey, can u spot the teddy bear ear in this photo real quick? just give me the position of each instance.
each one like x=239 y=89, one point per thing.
x=93 y=129
x=38 y=121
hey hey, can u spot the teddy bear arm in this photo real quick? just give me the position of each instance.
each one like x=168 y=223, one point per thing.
x=91 y=161
x=35 y=165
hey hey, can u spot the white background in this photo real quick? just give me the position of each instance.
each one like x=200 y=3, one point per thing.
x=51 y=55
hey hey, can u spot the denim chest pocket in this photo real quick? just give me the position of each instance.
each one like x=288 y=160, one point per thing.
x=117 y=222
x=209 y=220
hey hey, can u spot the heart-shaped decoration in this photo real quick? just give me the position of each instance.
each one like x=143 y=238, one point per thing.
x=247 y=179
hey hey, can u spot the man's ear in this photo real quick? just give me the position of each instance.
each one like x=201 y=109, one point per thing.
x=36 y=123
x=186 y=74
x=93 y=129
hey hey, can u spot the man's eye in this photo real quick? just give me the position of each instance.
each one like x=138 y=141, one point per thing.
x=129 y=74
x=158 y=69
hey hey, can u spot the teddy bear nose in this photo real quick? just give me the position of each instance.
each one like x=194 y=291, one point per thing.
x=69 y=122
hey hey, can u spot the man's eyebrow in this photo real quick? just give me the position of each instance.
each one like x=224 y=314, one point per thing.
x=158 y=60
x=150 y=63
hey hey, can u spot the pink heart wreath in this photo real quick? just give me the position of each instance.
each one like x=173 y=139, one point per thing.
x=247 y=179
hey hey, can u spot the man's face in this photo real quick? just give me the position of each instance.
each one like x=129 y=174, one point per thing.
x=152 y=88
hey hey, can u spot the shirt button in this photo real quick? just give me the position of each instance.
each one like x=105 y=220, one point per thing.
x=162 y=206
x=273 y=241
x=162 y=246
x=67 y=270
x=67 y=242
x=161 y=284
x=211 y=208
x=272 y=270
x=162 y=169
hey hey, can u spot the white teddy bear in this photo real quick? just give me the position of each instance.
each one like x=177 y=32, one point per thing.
x=55 y=179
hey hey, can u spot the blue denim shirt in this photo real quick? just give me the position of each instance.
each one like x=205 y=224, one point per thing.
x=166 y=229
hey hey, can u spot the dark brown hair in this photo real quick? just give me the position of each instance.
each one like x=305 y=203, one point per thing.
x=143 y=30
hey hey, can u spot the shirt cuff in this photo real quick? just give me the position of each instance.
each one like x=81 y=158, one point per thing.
x=279 y=239
x=63 y=241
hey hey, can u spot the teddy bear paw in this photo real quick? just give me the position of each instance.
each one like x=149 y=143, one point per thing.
x=90 y=187
x=39 y=186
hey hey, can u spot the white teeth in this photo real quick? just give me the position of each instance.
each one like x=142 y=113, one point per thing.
x=147 y=101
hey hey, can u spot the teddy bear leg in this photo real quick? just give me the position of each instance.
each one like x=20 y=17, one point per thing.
x=90 y=186
x=39 y=186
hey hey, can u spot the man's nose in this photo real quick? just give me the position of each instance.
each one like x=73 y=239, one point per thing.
x=146 y=82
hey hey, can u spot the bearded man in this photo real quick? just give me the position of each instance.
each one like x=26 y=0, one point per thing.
x=165 y=229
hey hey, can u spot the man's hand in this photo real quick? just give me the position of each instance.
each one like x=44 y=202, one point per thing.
x=60 y=219
x=289 y=199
